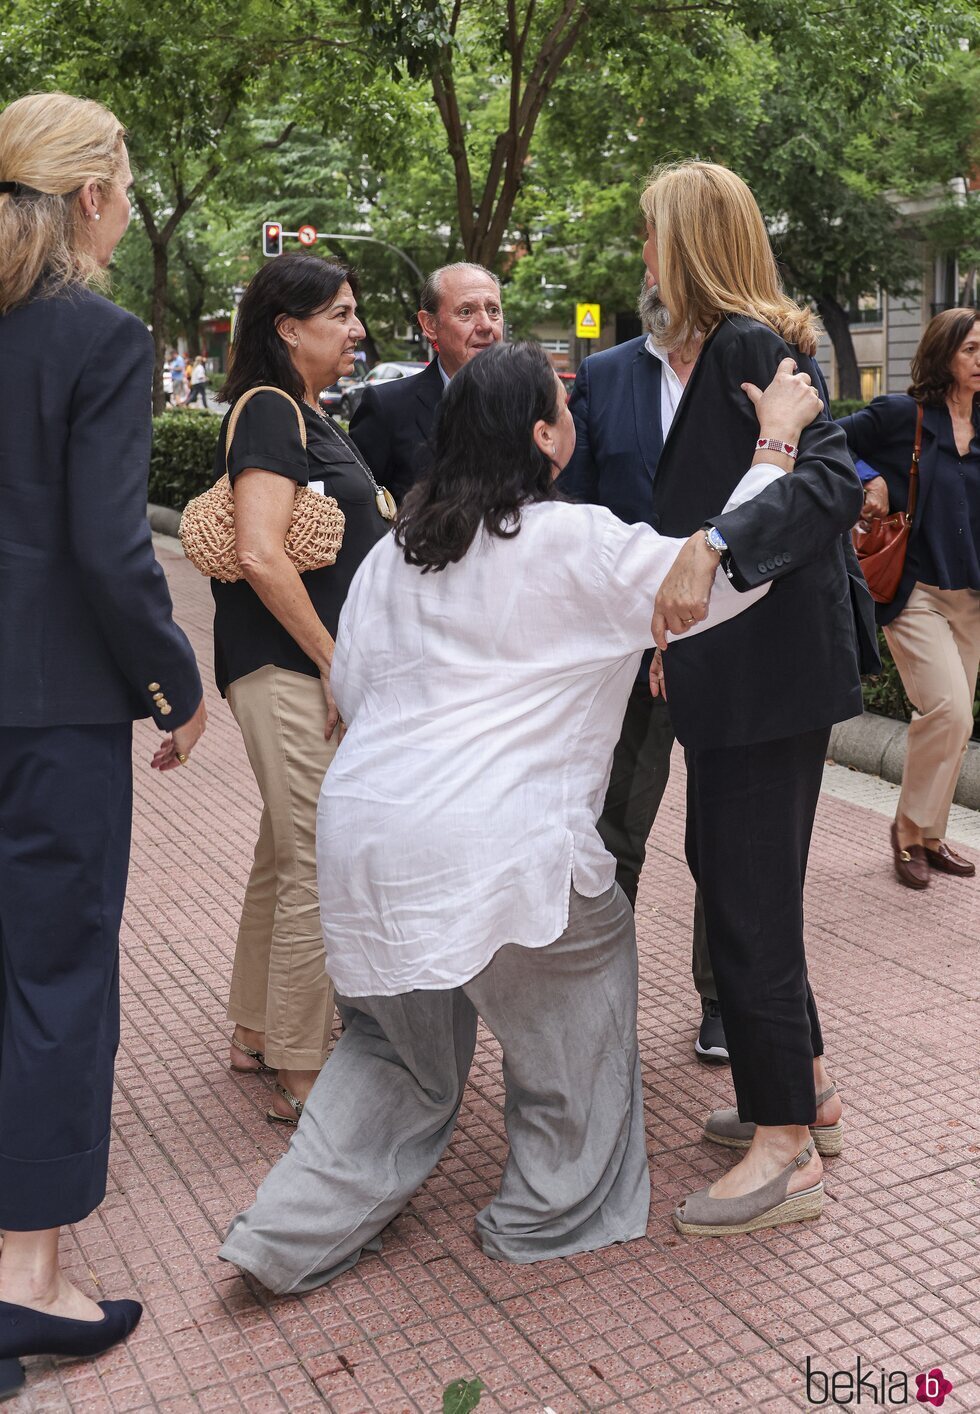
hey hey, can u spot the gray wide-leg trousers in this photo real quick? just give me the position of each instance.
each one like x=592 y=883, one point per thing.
x=385 y=1105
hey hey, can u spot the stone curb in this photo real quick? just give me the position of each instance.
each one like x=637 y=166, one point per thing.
x=163 y=520
x=869 y=743
x=876 y=745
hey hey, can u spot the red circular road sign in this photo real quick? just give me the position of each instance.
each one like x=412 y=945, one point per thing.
x=306 y=234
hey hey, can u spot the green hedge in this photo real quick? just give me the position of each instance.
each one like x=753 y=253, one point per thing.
x=182 y=459
x=884 y=692
x=843 y=407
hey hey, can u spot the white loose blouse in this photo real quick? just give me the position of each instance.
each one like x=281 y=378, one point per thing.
x=483 y=703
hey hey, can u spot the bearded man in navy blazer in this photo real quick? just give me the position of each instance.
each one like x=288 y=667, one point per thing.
x=460 y=315
x=621 y=400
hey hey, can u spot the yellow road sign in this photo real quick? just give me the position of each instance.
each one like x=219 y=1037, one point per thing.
x=587 y=321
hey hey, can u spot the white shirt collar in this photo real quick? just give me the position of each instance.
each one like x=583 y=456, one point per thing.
x=445 y=375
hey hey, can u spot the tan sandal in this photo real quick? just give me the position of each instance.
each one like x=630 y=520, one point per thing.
x=725 y=1127
x=700 y=1215
x=295 y=1105
x=252 y=1054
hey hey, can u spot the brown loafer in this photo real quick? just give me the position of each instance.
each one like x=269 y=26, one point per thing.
x=911 y=865
x=947 y=861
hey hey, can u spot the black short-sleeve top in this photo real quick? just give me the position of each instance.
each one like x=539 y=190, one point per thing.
x=246 y=635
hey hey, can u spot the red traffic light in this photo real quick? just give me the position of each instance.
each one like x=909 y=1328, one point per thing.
x=271 y=238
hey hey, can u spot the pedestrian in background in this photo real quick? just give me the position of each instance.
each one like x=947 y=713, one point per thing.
x=87 y=644
x=177 y=367
x=199 y=382
x=932 y=626
x=297 y=330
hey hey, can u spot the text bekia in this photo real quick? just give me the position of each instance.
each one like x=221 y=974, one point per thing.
x=865 y=1385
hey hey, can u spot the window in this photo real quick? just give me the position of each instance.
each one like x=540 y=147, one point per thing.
x=555 y=346
x=870 y=381
x=867 y=310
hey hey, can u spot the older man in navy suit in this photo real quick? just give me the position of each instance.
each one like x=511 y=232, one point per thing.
x=623 y=403
x=460 y=314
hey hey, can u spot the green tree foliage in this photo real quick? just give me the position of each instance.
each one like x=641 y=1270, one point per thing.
x=514 y=132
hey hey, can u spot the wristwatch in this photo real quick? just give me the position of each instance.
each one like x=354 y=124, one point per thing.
x=714 y=540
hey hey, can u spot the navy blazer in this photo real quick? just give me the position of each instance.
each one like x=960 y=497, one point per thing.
x=883 y=434
x=86 y=626
x=615 y=404
x=392 y=427
x=792 y=663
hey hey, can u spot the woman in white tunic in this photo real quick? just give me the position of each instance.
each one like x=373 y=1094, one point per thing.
x=483 y=662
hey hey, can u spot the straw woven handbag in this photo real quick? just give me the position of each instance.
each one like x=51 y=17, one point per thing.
x=207 y=527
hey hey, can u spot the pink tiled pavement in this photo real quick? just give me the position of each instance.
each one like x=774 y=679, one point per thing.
x=891 y=1272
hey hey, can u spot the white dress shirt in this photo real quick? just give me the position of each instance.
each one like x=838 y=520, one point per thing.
x=671 y=387
x=482 y=705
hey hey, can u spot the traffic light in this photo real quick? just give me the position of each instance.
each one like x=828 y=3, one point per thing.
x=271 y=238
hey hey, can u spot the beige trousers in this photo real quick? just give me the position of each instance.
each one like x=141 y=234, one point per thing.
x=279 y=985
x=935 y=642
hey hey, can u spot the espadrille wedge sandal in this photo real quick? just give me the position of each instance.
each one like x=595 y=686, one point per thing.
x=725 y=1127
x=768 y=1206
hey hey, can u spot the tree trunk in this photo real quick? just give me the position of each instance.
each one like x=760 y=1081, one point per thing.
x=838 y=327
x=158 y=318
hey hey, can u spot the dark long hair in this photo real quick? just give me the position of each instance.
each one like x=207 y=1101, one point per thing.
x=295 y=286
x=487 y=465
x=932 y=376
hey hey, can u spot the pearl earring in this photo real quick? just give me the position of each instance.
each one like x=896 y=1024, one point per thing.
x=96 y=216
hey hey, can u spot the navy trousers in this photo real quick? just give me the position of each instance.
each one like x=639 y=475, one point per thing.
x=750 y=816
x=65 y=824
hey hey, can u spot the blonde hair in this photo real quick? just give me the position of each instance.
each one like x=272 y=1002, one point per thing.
x=714 y=255
x=52 y=145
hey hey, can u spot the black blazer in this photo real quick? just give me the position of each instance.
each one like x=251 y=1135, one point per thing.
x=86 y=620
x=791 y=663
x=616 y=407
x=392 y=427
x=883 y=434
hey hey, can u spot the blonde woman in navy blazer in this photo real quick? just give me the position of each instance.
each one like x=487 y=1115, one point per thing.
x=87 y=644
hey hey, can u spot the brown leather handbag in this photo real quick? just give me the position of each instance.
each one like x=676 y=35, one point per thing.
x=881 y=542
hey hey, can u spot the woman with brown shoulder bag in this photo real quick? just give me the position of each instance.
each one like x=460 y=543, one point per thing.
x=931 y=621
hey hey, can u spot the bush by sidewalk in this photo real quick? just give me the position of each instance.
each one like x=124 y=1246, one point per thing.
x=843 y=407
x=182 y=459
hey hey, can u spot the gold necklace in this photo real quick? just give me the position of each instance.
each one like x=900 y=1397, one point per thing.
x=383 y=498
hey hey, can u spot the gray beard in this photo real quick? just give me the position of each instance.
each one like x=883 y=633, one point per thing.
x=652 y=311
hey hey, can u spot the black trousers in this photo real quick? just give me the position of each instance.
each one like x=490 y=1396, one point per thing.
x=750 y=816
x=640 y=771
x=65 y=821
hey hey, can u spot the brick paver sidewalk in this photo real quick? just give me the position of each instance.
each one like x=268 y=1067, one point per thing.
x=891 y=1273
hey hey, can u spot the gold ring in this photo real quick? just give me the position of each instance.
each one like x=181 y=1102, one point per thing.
x=182 y=757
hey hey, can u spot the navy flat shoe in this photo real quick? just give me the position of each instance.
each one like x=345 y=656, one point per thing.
x=24 y=1331
x=11 y=1378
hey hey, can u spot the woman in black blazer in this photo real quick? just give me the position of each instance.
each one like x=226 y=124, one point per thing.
x=932 y=626
x=754 y=716
x=87 y=644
